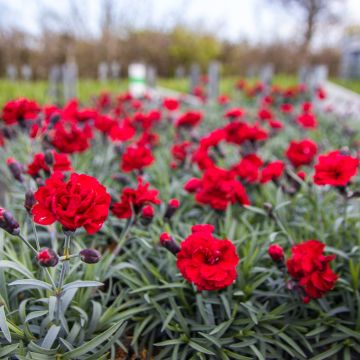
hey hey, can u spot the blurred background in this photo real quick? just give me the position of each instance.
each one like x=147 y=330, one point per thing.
x=172 y=35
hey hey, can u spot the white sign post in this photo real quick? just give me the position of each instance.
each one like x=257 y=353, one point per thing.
x=137 y=79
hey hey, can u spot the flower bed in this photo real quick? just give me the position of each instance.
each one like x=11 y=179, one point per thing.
x=145 y=227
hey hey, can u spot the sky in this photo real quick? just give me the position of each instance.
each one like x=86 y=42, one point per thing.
x=255 y=20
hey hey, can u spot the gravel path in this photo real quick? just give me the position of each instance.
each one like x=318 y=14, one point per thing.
x=342 y=101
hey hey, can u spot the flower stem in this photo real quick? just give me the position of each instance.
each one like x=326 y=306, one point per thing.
x=123 y=237
x=64 y=270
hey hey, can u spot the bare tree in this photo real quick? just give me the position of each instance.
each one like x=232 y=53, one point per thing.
x=315 y=12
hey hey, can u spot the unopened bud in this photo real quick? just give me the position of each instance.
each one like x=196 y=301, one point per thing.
x=147 y=214
x=168 y=242
x=268 y=208
x=345 y=151
x=90 y=256
x=172 y=206
x=54 y=120
x=47 y=257
x=119 y=149
x=16 y=169
x=121 y=179
x=29 y=201
x=8 y=223
x=49 y=157
x=40 y=182
x=276 y=252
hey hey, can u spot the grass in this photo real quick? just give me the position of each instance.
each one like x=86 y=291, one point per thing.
x=39 y=90
x=351 y=84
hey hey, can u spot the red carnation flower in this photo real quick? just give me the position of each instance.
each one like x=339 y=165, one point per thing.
x=307 y=107
x=287 y=108
x=136 y=157
x=18 y=110
x=181 y=150
x=219 y=189
x=61 y=162
x=307 y=120
x=310 y=267
x=238 y=132
x=189 y=119
x=275 y=124
x=2 y=139
x=171 y=104
x=272 y=171
x=223 y=99
x=301 y=152
x=234 y=113
x=335 y=169
x=104 y=123
x=135 y=200
x=265 y=114
x=192 y=185
x=70 y=138
x=248 y=168
x=122 y=131
x=206 y=261
x=82 y=201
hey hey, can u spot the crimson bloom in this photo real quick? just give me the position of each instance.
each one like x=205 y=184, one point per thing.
x=301 y=152
x=310 y=267
x=207 y=262
x=189 y=119
x=122 y=131
x=219 y=188
x=307 y=120
x=136 y=157
x=238 y=132
x=80 y=202
x=133 y=200
x=335 y=169
x=234 y=113
x=171 y=104
x=18 y=110
x=272 y=171
x=181 y=150
x=61 y=162
x=70 y=138
x=248 y=168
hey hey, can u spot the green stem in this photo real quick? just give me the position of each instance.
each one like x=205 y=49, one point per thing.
x=35 y=234
x=27 y=244
x=64 y=270
x=35 y=252
x=122 y=238
x=282 y=227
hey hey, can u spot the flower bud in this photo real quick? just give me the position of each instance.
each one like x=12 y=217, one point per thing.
x=54 y=120
x=16 y=169
x=90 y=256
x=29 y=201
x=119 y=149
x=49 y=157
x=40 y=182
x=8 y=223
x=268 y=208
x=121 y=179
x=168 y=242
x=47 y=257
x=147 y=214
x=172 y=206
x=192 y=185
x=276 y=252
